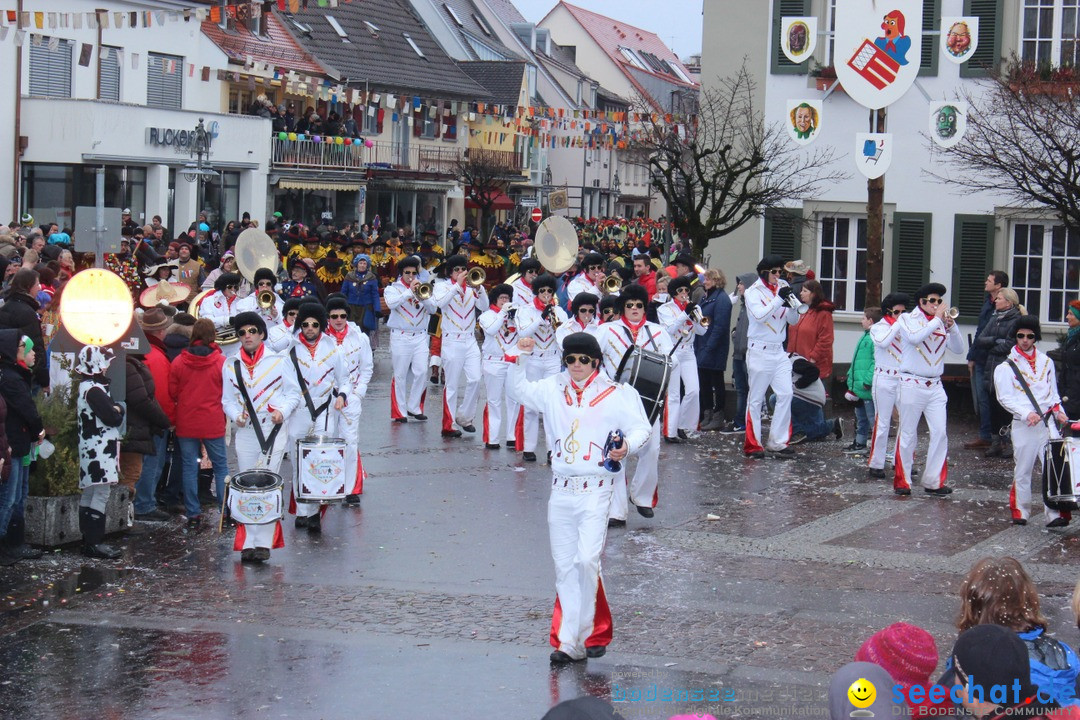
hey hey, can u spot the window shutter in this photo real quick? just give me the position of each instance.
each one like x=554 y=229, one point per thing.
x=783 y=233
x=450 y=132
x=911 y=251
x=50 y=70
x=438 y=119
x=786 y=8
x=110 y=77
x=165 y=89
x=931 y=44
x=417 y=124
x=985 y=58
x=379 y=114
x=973 y=255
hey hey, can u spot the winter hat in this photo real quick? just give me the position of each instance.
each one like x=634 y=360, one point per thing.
x=93 y=360
x=907 y=652
x=883 y=704
x=225 y=280
x=992 y=655
x=311 y=311
x=544 y=281
x=249 y=318
x=581 y=343
x=153 y=319
x=265 y=274
x=929 y=289
x=361 y=256
x=769 y=262
x=632 y=291
x=1028 y=322
x=584 y=298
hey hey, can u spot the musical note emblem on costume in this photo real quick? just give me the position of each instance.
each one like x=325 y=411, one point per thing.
x=588 y=455
x=571 y=445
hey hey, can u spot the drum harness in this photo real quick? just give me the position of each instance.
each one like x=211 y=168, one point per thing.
x=265 y=442
x=1027 y=391
x=312 y=410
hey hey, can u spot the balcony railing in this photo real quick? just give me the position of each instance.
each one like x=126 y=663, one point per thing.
x=309 y=155
x=505 y=161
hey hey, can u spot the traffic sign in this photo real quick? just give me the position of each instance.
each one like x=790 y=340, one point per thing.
x=537 y=215
x=527 y=201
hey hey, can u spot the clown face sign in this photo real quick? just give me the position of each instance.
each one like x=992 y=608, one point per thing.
x=878 y=49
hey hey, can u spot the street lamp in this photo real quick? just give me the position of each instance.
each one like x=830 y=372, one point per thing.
x=547 y=176
x=195 y=172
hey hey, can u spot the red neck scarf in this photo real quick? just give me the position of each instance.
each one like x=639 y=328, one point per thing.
x=310 y=344
x=634 y=329
x=579 y=391
x=339 y=336
x=680 y=305
x=890 y=318
x=251 y=360
x=772 y=288
x=582 y=324
x=538 y=303
x=928 y=316
x=1030 y=358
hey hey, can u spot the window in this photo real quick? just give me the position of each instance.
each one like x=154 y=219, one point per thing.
x=109 y=77
x=371 y=120
x=1050 y=32
x=778 y=61
x=483 y=50
x=453 y=15
x=783 y=230
x=50 y=70
x=988 y=54
x=830 y=39
x=482 y=23
x=372 y=29
x=842 y=262
x=337 y=28
x=165 y=81
x=413 y=45
x=1045 y=268
x=632 y=58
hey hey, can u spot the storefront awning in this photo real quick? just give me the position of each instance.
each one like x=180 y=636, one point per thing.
x=502 y=202
x=317 y=185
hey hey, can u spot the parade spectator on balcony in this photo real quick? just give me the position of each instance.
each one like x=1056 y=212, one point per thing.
x=349 y=127
x=277 y=123
x=288 y=113
x=332 y=126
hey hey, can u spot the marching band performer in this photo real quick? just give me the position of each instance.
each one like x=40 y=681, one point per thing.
x=588 y=280
x=355 y=348
x=280 y=337
x=320 y=374
x=885 y=334
x=925 y=334
x=408 y=341
x=260 y=393
x=615 y=338
x=523 y=286
x=264 y=283
x=678 y=317
x=499 y=323
x=1027 y=370
x=539 y=320
x=221 y=305
x=766 y=360
x=459 y=302
x=582 y=317
x=581 y=407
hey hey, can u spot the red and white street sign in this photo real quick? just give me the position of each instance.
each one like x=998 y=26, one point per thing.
x=537 y=215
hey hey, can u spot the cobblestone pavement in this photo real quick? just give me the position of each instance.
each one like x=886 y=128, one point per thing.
x=434 y=597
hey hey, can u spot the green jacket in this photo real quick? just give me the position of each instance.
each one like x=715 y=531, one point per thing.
x=860 y=376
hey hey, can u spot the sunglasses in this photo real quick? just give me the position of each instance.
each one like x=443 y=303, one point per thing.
x=577 y=359
x=776 y=271
x=682 y=291
x=339 y=316
x=232 y=287
x=409 y=272
x=895 y=312
x=631 y=304
x=310 y=324
x=545 y=291
x=247 y=331
x=586 y=311
x=292 y=313
x=1025 y=336
x=265 y=284
x=933 y=301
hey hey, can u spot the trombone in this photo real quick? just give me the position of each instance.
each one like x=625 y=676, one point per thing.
x=476 y=277
x=611 y=284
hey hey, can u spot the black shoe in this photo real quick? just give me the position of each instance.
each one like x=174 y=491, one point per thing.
x=1021 y=521
x=401 y=420
x=645 y=511
x=228 y=522
x=103 y=552
x=418 y=416
x=838 y=428
x=682 y=434
x=262 y=554
x=855 y=449
x=511 y=443
x=901 y=491
x=247 y=555
x=492 y=446
x=154 y=515
x=194 y=523
x=596 y=651
x=528 y=457
x=560 y=658
x=878 y=473
x=615 y=523
x=1057 y=522
x=23 y=552
x=301 y=521
x=470 y=428
x=353 y=500
x=939 y=492
x=673 y=440
x=314 y=524
x=797 y=438
x=451 y=433
x=729 y=428
x=784 y=454
x=757 y=455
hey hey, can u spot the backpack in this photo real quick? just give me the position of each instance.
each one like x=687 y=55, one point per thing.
x=1054 y=666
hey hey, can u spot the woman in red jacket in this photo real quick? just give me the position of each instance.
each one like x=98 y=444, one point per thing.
x=195 y=382
x=812 y=338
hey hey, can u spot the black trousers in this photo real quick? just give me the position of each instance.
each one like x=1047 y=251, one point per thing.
x=712 y=389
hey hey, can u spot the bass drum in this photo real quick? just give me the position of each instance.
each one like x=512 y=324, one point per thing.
x=1060 y=483
x=649 y=373
x=255 y=497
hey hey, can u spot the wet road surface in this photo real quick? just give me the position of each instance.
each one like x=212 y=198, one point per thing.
x=433 y=598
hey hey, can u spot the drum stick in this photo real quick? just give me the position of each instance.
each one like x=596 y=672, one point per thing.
x=224 y=496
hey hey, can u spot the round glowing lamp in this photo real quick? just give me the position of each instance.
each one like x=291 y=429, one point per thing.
x=96 y=307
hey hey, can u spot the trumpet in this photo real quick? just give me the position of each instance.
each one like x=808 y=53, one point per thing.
x=476 y=277
x=611 y=284
x=954 y=312
x=699 y=317
x=550 y=316
x=422 y=290
x=800 y=307
x=265 y=299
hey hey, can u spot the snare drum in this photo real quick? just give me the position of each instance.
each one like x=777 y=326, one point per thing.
x=255 y=497
x=320 y=469
x=647 y=372
x=1060 y=474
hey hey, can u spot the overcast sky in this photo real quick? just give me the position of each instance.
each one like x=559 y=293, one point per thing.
x=677 y=22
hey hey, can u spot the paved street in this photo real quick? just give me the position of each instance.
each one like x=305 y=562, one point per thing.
x=433 y=599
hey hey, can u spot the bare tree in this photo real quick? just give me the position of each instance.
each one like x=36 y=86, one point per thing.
x=1022 y=141
x=488 y=174
x=725 y=166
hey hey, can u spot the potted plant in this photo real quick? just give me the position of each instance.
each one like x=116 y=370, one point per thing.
x=52 y=508
x=824 y=76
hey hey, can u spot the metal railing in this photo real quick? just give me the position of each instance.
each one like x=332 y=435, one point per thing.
x=309 y=155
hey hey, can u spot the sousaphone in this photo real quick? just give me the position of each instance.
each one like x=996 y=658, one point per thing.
x=255 y=249
x=556 y=244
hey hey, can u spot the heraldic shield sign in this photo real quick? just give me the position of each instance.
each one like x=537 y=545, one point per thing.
x=873 y=153
x=878 y=49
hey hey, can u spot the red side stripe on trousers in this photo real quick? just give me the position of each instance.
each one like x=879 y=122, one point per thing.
x=486 y=438
x=519 y=430
x=238 y=540
x=395 y=411
x=358 y=484
x=751 y=444
x=447 y=418
x=279 y=537
x=602 y=623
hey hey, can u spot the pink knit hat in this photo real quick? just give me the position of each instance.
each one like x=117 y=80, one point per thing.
x=908 y=653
